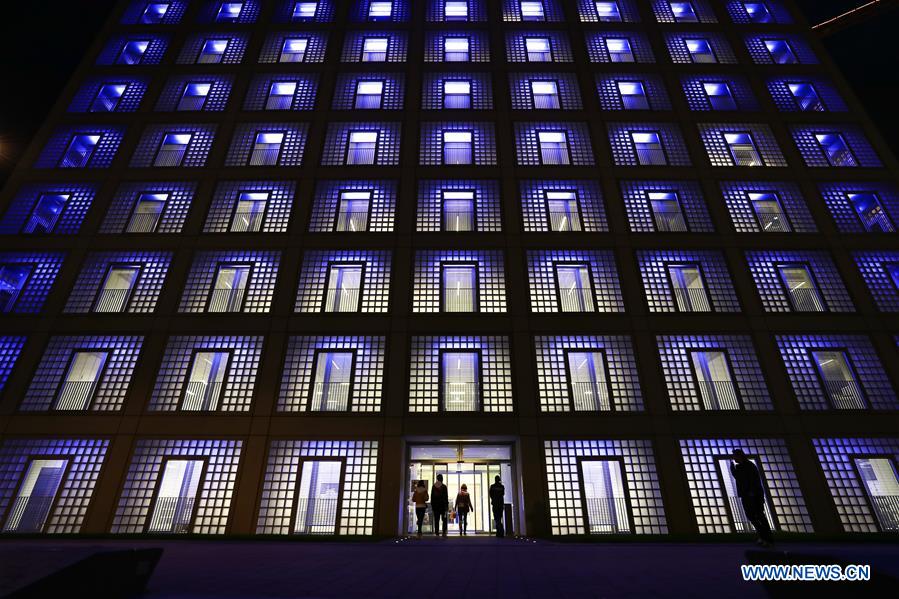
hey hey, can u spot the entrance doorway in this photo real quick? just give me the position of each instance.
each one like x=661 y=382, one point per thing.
x=473 y=465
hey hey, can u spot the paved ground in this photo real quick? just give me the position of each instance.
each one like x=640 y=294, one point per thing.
x=456 y=568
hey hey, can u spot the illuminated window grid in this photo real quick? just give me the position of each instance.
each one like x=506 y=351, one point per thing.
x=624 y=153
x=698 y=99
x=291 y=150
x=495 y=373
x=136 y=88
x=261 y=86
x=780 y=92
x=603 y=273
x=392 y=92
x=19 y=210
x=435 y=11
x=249 y=12
x=768 y=281
x=620 y=365
x=552 y=11
x=813 y=154
x=381 y=208
x=874 y=270
x=84 y=461
x=10 y=348
x=681 y=381
x=399 y=11
x=375 y=294
x=156 y=48
x=488 y=211
x=112 y=387
x=516 y=49
x=396 y=48
x=835 y=195
x=427 y=286
x=358 y=484
x=527 y=143
x=536 y=213
x=324 y=11
x=660 y=294
x=478 y=45
x=279 y=200
x=260 y=286
x=144 y=294
x=755 y=44
x=598 y=50
x=299 y=368
x=566 y=508
x=481 y=89
x=719 y=152
x=45 y=268
x=387 y=149
x=216 y=100
x=588 y=13
x=743 y=215
x=101 y=157
x=639 y=210
x=213 y=496
x=709 y=498
x=195 y=155
x=610 y=94
x=316 y=45
x=133 y=15
x=663 y=13
x=234 y=51
x=483 y=142
x=677 y=47
x=780 y=14
x=178 y=200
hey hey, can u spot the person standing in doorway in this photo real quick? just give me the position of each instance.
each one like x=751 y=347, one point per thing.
x=498 y=503
x=463 y=507
x=420 y=499
x=439 y=504
x=752 y=495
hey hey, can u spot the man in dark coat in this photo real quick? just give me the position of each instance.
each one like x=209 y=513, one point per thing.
x=752 y=495
x=498 y=503
x=439 y=504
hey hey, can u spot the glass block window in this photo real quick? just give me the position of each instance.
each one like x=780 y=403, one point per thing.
x=667 y=206
x=542 y=46
x=282 y=91
x=354 y=513
x=815 y=387
x=694 y=11
x=880 y=270
x=741 y=144
x=834 y=146
x=375 y=46
x=258 y=289
x=569 y=205
x=767 y=207
x=213 y=502
x=109 y=94
x=706 y=47
x=547 y=295
x=48 y=208
x=553 y=144
x=353 y=205
x=94 y=292
x=717 y=92
x=763 y=11
x=174 y=145
x=195 y=93
x=10 y=348
x=315 y=284
x=135 y=49
x=483 y=142
x=26 y=280
x=620 y=91
x=81 y=147
x=433 y=208
x=298 y=382
x=666 y=292
x=430 y=293
x=80 y=461
x=712 y=506
x=268 y=144
x=805 y=94
x=780 y=49
x=634 y=144
x=141 y=12
x=341 y=145
x=544 y=91
x=214 y=48
x=294 y=47
x=156 y=207
x=611 y=11
x=350 y=86
x=495 y=376
x=569 y=505
x=250 y=206
x=467 y=91
x=51 y=382
x=862 y=207
x=237 y=386
x=820 y=289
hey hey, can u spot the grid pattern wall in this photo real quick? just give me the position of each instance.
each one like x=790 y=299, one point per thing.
x=261 y=86
x=387 y=148
x=698 y=100
x=495 y=376
x=110 y=388
x=478 y=45
x=785 y=101
x=195 y=155
x=535 y=211
x=278 y=202
x=397 y=45
x=374 y=296
x=480 y=90
x=84 y=459
x=664 y=13
x=737 y=11
x=680 y=54
x=487 y=208
x=610 y=94
x=621 y=370
x=316 y=45
x=144 y=293
x=627 y=9
x=660 y=291
x=813 y=154
x=640 y=216
x=435 y=11
x=102 y=156
x=358 y=484
x=764 y=268
x=675 y=352
x=755 y=44
x=214 y=494
x=392 y=91
x=134 y=13
x=152 y=55
x=381 y=209
x=837 y=457
x=216 y=99
x=483 y=142
x=528 y=147
x=566 y=502
x=235 y=47
x=739 y=205
x=427 y=285
x=78 y=200
x=324 y=12
x=624 y=151
x=709 y=497
x=10 y=348
x=289 y=153
x=260 y=287
x=552 y=11
x=836 y=196
x=598 y=48
x=367 y=384
x=44 y=269
x=249 y=12
x=244 y=353
x=719 y=152
x=171 y=220
x=545 y=292
x=399 y=11
x=135 y=88
x=869 y=374
x=876 y=269
x=559 y=47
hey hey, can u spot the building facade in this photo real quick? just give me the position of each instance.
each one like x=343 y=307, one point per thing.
x=270 y=262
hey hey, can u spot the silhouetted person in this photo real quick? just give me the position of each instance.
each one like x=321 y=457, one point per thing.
x=463 y=506
x=498 y=503
x=752 y=495
x=420 y=499
x=439 y=504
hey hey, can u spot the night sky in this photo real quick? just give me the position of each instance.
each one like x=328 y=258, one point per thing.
x=42 y=44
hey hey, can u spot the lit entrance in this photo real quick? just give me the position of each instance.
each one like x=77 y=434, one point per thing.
x=474 y=465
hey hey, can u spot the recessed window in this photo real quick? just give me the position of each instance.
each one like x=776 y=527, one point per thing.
x=294 y=49
x=714 y=380
x=304 y=11
x=648 y=146
x=229 y=288
x=719 y=95
x=800 y=287
x=154 y=13
x=229 y=12
x=589 y=385
x=836 y=149
x=117 y=287
x=249 y=212
x=575 y=288
x=683 y=12
x=369 y=94
x=757 y=12
x=689 y=290
x=605 y=497
x=194 y=96
x=806 y=97
x=176 y=498
x=457 y=147
x=619 y=49
x=266 y=149
x=146 y=213
x=459 y=283
x=455 y=10
x=553 y=147
x=839 y=380
x=108 y=97
x=46 y=212
x=545 y=95
x=457 y=94
x=13 y=278
x=79 y=151
x=742 y=149
x=456 y=49
x=333 y=379
x=458 y=210
x=352 y=211
x=317 y=498
x=281 y=95
x=538 y=49
x=870 y=211
x=36 y=496
x=633 y=95
x=361 y=147
x=81 y=380
x=667 y=211
x=461 y=375
x=564 y=212
x=781 y=52
x=206 y=381
x=532 y=11
x=769 y=212
x=172 y=150
x=374 y=49
x=700 y=50
x=380 y=11
x=608 y=12
x=881 y=482
x=212 y=51
x=133 y=52
x=344 y=288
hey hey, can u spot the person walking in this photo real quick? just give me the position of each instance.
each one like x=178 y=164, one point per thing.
x=752 y=495
x=420 y=499
x=498 y=503
x=462 y=507
x=439 y=504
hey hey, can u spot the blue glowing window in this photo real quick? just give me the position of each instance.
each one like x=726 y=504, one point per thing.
x=806 y=97
x=79 y=151
x=212 y=51
x=374 y=49
x=648 y=146
x=619 y=50
x=173 y=148
x=720 y=96
x=757 y=12
x=553 y=147
x=108 y=97
x=229 y=12
x=280 y=95
x=457 y=94
x=380 y=11
x=353 y=210
x=266 y=149
x=13 y=278
x=781 y=52
x=545 y=95
x=455 y=10
x=194 y=96
x=46 y=212
x=538 y=49
x=460 y=386
x=836 y=149
x=304 y=11
x=456 y=49
x=769 y=212
x=870 y=212
x=457 y=147
x=667 y=212
x=294 y=49
x=369 y=94
x=683 y=12
x=742 y=149
x=532 y=11
x=608 y=12
x=362 y=147
x=133 y=52
x=146 y=213
x=458 y=210
x=154 y=13
x=633 y=95
x=700 y=50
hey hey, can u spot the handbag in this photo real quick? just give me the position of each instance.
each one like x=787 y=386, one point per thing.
x=452 y=515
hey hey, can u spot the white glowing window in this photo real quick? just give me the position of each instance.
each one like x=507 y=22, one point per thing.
x=174 y=147
x=280 y=95
x=538 y=49
x=176 y=500
x=458 y=208
x=619 y=49
x=194 y=96
x=839 y=380
x=461 y=381
x=742 y=149
x=633 y=95
x=147 y=212
x=683 y=12
x=881 y=484
x=344 y=288
x=229 y=12
x=574 y=287
x=459 y=287
x=553 y=147
x=769 y=212
x=455 y=10
x=714 y=380
x=352 y=211
x=294 y=49
x=564 y=212
x=801 y=289
x=374 y=49
x=608 y=12
x=304 y=11
x=545 y=95
x=688 y=288
x=333 y=377
x=457 y=94
x=532 y=11
x=587 y=377
x=229 y=288
x=37 y=493
x=456 y=49
x=361 y=147
x=212 y=51
x=206 y=381
x=81 y=380
x=378 y=11
x=249 y=212
x=115 y=292
x=700 y=50
x=457 y=147
x=605 y=498
x=667 y=212
x=266 y=149
x=133 y=52
x=318 y=497
x=155 y=13
x=369 y=94
x=649 y=148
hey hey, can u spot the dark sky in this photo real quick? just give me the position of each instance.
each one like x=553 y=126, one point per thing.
x=42 y=42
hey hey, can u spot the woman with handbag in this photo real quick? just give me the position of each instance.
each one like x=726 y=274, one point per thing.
x=462 y=508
